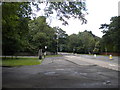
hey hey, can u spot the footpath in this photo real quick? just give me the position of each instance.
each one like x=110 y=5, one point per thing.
x=85 y=61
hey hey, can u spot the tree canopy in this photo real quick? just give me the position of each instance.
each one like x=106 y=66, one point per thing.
x=17 y=24
x=41 y=35
x=83 y=42
x=111 y=37
x=13 y=29
x=21 y=33
x=65 y=10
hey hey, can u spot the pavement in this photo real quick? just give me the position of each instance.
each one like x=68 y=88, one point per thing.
x=68 y=71
x=115 y=59
x=103 y=63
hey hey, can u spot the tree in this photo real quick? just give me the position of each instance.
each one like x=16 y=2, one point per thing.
x=65 y=10
x=61 y=39
x=111 y=38
x=73 y=43
x=97 y=47
x=105 y=27
x=88 y=41
x=41 y=35
x=20 y=35
x=13 y=35
x=83 y=42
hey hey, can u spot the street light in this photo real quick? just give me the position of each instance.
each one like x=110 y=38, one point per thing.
x=45 y=51
x=45 y=47
x=57 y=41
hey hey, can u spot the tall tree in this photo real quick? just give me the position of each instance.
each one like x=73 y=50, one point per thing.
x=88 y=41
x=73 y=43
x=41 y=35
x=111 y=38
x=15 y=17
x=65 y=10
x=61 y=39
x=83 y=42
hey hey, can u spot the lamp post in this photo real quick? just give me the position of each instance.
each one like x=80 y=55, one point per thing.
x=45 y=51
x=45 y=47
x=57 y=42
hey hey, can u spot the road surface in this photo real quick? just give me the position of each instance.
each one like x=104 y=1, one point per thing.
x=68 y=71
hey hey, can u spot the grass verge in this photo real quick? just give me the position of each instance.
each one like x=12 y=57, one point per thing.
x=20 y=61
x=53 y=55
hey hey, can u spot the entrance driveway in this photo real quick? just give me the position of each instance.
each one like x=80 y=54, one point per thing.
x=59 y=72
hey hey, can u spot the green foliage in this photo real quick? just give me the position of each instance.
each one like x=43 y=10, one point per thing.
x=53 y=56
x=41 y=35
x=105 y=27
x=61 y=37
x=72 y=42
x=97 y=47
x=88 y=41
x=22 y=34
x=111 y=38
x=65 y=10
x=83 y=42
x=13 y=29
x=19 y=33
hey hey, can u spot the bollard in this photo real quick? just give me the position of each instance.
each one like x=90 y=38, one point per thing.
x=95 y=55
x=110 y=57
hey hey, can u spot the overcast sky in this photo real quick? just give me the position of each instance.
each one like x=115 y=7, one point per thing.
x=100 y=12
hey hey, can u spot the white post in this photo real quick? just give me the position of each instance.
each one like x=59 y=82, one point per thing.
x=95 y=55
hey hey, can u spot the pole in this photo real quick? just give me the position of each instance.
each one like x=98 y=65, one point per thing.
x=45 y=51
x=40 y=53
x=57 y=44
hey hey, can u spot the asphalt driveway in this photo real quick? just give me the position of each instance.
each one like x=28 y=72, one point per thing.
x=58 y=72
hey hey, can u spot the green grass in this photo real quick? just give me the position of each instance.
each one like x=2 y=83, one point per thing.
x=53 y=55
x=20 y=61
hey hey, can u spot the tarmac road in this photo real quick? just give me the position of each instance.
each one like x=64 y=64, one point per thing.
x=60 y=72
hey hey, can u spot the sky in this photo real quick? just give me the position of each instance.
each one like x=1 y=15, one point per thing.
x=99 y=12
